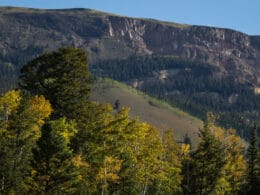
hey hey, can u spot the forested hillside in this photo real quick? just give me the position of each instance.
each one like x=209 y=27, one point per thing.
x=193 y=86
x=53 y=140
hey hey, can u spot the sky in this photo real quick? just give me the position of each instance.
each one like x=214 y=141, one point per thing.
x=241 y=15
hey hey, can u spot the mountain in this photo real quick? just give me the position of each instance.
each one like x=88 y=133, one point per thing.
x=196 y=68
x=26 y=33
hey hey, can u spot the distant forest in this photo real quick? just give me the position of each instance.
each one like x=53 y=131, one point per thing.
x=195 y=87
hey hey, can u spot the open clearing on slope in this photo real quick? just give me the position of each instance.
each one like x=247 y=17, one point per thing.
x=148 y=109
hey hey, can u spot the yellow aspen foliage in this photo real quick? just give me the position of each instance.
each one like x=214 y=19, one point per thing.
x=234 y=170
x=108 y=173
x=79 y=162
x=222 y=186
x=148 y=151
x=83 y=167
x=21 y=123
x=36 y=110
x=171 y=149
x=171 y=163
x=40 y=107
x=10 y=101
x=68 y=131
x=185 y=151
x=236 y=166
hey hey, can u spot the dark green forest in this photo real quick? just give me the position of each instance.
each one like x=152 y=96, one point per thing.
x=193 y=86
x=53 y=140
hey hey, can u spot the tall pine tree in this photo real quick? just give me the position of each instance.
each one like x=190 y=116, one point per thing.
x=207 y=161
x=252 y=163
x=63 y=78
x=54 y=169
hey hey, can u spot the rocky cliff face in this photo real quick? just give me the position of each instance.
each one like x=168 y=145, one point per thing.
x=25 y=33
x=233 y=51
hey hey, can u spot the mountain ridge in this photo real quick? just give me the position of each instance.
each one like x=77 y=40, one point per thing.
x=26 y=9
x=105 y=36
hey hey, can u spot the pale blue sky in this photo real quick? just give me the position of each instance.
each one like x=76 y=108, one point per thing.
x=242 y=15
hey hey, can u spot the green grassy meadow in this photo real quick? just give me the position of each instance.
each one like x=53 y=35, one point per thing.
x=148 y=109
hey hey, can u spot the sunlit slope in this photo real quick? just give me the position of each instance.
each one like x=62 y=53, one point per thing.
x=151 y=110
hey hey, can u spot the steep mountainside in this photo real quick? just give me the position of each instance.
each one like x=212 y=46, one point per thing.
x=25 y=33
x=231 y=50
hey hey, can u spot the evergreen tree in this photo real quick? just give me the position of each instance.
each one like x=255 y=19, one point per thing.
x=63 y=78
x=207 y=161
x=116 y=105
x=54 y=169
x=252 y=163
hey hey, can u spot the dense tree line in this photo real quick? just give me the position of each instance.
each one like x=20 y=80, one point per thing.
x=193 y=86
x=54 y=140
x=144 y=66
